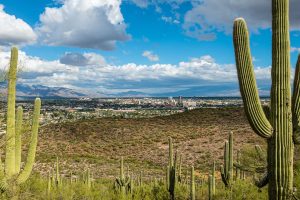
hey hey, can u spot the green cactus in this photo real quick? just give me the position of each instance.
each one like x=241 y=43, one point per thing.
x=227 y=168
x=213 y=178
x=122 y=182
x=11 y=173
x=210 y=187
x=141 y=179
x=238 y=162
x=57 y=177
x=19 y=121
x=192 y=184
x=282 y=131
x=180 y=169
x=172 y=171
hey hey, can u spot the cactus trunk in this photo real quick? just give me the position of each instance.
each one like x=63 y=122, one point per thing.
x=10 y=124
x=279 y=131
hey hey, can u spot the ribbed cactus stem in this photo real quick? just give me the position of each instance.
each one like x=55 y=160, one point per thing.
x=170 y=152
x=213 y=178
x=24 y=175
x=167 y=177
x=10 y=161
x=19 y=121
x=227 y=168
x=179 y=169
x=172 y=171
x=192 y=184
x=210 y=187
x=280 y=129
x=237 y=169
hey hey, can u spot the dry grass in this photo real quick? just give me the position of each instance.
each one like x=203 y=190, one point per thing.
x=198 y=135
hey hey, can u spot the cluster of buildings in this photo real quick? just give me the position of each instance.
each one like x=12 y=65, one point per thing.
x=60 y=110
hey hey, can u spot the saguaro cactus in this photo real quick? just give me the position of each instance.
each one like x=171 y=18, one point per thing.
x=213 y=178
x=11 y=173
x=210 y=187
x=284 y=122
x=227 y=168
x=172 y=171
x=122 y=182
x=192 y=184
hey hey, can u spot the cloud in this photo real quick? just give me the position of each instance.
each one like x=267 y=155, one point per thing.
x=210 y=16
x=295 y=50
x=14 y=31
x=94 y=78
x=170 y=20
x=86 y=59
x=141 y=3
x=151 y=56
x=83 y=23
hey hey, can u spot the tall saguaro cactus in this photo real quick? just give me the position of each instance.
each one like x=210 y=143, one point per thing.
x=285 y=111
x=11 y=173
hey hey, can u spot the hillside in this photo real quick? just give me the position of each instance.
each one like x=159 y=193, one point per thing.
x=199 y=135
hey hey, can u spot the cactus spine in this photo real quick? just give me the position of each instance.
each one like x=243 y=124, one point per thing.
x=227 y=168
x=11 y=172
x=284 y=114
x=192 y=184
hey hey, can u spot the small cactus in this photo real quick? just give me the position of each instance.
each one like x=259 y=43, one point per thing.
x=122 y=182
x=192 y=184
x=227 y=168
x=210 y=187
x=172 y=171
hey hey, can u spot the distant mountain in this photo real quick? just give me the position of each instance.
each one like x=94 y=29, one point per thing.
x=43 y=91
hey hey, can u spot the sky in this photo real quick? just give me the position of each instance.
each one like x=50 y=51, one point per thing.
x=138 y=47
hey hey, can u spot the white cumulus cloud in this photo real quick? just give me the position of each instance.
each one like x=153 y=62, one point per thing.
x=14 y=31
x=83 y=23
x=210 y=16
x=151 y=56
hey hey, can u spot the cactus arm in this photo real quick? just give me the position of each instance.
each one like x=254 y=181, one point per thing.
x=223 y=176
x=296 y=104
x=263 y=181
x=11 y=102
x=33 y=144
x=248 y=87
x=18 y=140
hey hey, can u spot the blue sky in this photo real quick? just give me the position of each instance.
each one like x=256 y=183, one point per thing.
x=151 y=47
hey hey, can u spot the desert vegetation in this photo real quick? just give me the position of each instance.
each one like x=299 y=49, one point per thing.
x=209 y=153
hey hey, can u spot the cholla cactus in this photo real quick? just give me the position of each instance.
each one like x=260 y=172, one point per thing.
x=227 y=168
x=282 y=130
x=11 y=173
